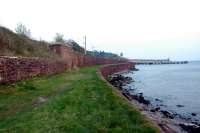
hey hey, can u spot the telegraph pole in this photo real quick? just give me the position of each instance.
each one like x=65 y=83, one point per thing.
x=85 y=45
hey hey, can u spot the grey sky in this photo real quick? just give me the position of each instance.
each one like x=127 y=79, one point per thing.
x=139 y=28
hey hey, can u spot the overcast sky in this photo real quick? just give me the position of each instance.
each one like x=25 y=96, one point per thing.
x=138 y=28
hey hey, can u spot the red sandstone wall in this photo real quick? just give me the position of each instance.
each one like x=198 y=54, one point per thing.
x=65 y=53
x=76 y=59
x=114 y=68
x=15 y=69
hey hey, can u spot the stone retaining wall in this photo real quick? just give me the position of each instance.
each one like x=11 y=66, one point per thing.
x=19 y=68
x=15 y=69
x=76 y=59
x=114 y=68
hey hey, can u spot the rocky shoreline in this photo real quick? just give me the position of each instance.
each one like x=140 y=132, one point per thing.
x=169 y=122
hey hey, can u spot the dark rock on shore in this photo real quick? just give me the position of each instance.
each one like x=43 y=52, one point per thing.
x=165 y=128
x=119 y=80
x=162 y=105
x=155 y=109
x=180 y=106
x=140 y=93
x=167 y=114
x=158 y=100
x=134 y=69
x=194 y=114
x=190 y=128
x=127 y=95
x=196 y=123
x=127 y=80
x=140 y=98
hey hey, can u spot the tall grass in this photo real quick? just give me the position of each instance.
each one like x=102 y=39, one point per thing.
x=12 y=44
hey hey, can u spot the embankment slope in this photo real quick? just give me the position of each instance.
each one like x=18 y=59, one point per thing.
x=12 y=44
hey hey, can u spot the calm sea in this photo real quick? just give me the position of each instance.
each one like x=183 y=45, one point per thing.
x=172 y=84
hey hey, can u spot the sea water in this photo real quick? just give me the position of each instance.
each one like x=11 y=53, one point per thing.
x=174 y=87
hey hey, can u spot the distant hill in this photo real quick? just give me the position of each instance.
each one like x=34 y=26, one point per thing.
x=12 y=44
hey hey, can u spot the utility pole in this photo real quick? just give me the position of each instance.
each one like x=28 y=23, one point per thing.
x=85 y=45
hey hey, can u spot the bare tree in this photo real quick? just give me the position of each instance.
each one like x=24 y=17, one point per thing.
x=59 y=38
x=121 y=54
x=22 y=30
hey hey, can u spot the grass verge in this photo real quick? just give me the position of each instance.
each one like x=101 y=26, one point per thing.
x=76 y=101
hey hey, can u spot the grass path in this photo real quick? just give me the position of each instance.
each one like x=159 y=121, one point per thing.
x=77 y=101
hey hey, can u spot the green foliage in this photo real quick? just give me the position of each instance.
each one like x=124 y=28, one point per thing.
x=12 y=44
x=22 y=30
x=75 y=46
x=102 y=54
x=59 y=38
x=121 y=54
x=76 y=102
x=27 y=85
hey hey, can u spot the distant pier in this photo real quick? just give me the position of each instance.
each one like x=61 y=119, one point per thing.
x=156 y=62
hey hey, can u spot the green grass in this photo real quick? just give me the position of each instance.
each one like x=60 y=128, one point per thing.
x=77 y=101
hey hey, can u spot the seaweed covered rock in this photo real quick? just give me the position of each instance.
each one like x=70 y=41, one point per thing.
x=119 y=80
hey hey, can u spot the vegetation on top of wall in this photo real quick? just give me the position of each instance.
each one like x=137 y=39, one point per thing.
x=102 y=54
x=75 y=46
x=12 y=44
x=22 y=30
x=59 y=38
x=21 y=44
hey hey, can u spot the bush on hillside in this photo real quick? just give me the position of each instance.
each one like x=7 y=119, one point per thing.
x=22 y=30
x=59 y=38
x=12 y=44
